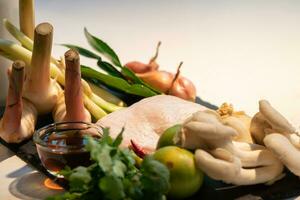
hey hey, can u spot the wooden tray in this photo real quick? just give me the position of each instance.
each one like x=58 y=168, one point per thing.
x=289 y=186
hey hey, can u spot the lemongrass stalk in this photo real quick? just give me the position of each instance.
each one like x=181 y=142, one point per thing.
x=40 y=89
x=14 y=51
x=75 y=110
x=26 y=17
x=105 y=95
x=40 y=62
x=13 y=109
x=94 y=109
x=104 y=104
x=18 y=52
x=57 y=74
x=22 y=38
x=20 y=116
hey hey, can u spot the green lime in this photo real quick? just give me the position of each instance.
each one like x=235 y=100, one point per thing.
x=167 y=138
x=185 y=178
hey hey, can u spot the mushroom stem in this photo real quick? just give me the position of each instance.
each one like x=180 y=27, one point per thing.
x=285 y=151
x=26 y=12
x=223 y=165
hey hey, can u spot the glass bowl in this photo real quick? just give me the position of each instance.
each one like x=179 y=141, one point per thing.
x=62 y=144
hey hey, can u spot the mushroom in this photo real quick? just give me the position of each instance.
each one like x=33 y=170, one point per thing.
x=278 y=135
x=223 y=165
x=205 y=131
x=205 y=123
x=238 y=120
x=268 y=120
x=288 y=153
x=285 y=150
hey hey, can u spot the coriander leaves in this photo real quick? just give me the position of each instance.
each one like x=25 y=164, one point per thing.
x=114 y=176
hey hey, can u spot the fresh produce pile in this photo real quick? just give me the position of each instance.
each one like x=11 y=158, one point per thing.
x=237 y=149
x=114 y=174
x=166 y=143
x=55 y=86
x=223 y=145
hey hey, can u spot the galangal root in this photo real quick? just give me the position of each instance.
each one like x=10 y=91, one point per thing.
x=271 y=128
x=20 y=115
x=222 y=158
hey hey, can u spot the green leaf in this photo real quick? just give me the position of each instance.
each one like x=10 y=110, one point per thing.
x=131 y=75
x=102 y=156
x=133 y=188
x=128 y=158
x=100 y=153
x=66 y=196
x=117 y=83
x=111 y=70
x=66 y=172
x=119 y=169
x=154 y=173
x=82 y=51
x=106 y=139
x=112 y=187
x=135 y=79
x=79 y=179
x=118 y=139
x=103 y=48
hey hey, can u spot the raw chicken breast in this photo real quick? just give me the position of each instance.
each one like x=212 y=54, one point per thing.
x=146 y=120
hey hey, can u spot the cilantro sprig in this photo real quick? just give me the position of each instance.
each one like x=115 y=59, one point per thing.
x=114 y=175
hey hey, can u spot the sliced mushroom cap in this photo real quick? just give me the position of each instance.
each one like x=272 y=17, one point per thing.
x=257 y=128
x=202 y=128
x=241 y=128
x=276 y=120
x=208 y=116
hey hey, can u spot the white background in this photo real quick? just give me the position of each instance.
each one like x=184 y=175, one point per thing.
x=234 y=51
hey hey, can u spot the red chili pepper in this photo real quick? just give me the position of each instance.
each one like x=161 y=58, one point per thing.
x=138 y=149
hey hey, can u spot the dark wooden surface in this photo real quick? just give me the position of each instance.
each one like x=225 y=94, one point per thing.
x=288 y=187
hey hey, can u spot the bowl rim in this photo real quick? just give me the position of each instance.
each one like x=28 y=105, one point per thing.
x=38 y=141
